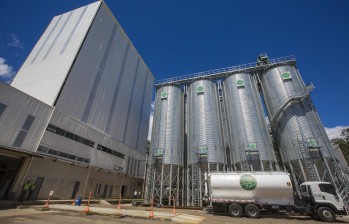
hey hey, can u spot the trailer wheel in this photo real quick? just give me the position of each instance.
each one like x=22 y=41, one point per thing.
x=326 y=214
x=235 y=210
x=252 y=211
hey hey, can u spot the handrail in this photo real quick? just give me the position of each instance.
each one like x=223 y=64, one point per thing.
x=216 y=73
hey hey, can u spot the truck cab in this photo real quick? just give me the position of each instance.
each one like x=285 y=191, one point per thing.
x=323 y=201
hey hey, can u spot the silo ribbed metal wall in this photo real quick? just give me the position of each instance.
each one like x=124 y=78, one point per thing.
x=167 y=133
x=277 y=91
x=204 y=125
x=298 y=122
x=245 y=117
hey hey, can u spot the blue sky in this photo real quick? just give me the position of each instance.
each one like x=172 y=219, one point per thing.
x=181 y=37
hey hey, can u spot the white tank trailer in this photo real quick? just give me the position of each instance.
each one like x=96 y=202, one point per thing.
x=249 y=193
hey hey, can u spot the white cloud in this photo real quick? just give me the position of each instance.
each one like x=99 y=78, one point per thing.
x=15 y=42
x=335 y=132
x=151 y=120
x=6 y=71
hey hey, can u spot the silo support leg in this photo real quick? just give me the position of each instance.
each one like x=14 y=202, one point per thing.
x=294 y=179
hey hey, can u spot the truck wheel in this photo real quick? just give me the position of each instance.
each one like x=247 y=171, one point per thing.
x=326 y=214
x=235 y=210
x=252 y=211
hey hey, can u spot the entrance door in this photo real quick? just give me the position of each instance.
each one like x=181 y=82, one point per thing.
x=8 y=171
x=105 y=191
x=123 y=191
x=38 y=184
x=76 y=188
x=110 y=191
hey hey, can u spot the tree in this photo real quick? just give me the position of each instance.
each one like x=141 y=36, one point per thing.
x=343 y=143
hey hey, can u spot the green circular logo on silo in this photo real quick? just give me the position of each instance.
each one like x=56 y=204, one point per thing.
x=286 y=75
x=164 y=94
x=200 y=89
x=248 y=182
x=240 y=82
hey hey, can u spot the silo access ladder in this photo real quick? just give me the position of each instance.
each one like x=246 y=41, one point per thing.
x=307 y=161
x=149 y=184
x=244 y=164
x=195 y=184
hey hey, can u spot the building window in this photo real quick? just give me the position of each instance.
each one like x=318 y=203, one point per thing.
x=28 y=122
x=67 y=134
x=24 y=131
x=110 y=151
x=20 y=138
x=2 y=108
x=45 y=150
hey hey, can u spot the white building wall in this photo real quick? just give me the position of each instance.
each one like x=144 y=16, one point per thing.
x=47 y=66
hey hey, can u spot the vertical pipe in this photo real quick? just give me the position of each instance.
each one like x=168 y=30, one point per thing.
x=302 y=169
x=170 y=190
x=162 y=182
x=294 y=179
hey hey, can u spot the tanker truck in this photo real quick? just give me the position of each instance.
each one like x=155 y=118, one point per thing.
x=249 y=193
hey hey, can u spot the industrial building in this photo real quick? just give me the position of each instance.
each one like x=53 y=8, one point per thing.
x=215 y=121
x=75 y=118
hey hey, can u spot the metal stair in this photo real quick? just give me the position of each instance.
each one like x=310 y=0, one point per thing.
x=196 y=185
x=293 y=99
x=244 y=164
x=150 y=180
x=307 y=161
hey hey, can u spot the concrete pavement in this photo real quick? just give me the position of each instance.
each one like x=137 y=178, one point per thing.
x=141 y=214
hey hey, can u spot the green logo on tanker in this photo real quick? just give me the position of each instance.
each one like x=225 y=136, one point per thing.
x=248 y=182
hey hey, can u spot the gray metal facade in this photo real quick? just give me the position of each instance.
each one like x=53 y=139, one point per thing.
x=23 y=119
x=85 y=65
x=47 y=66
x=204 y=132
x=246 y=121
x=109 y=87
x=168 y=132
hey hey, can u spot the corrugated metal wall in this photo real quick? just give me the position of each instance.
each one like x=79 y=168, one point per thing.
x=168 y=124
x=298 y=122
x=246 y=121
x=48 y=64
x=23 y=119
x=204 y=125
x=109 y=86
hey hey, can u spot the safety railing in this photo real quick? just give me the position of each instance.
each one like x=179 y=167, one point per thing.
x=217 y=73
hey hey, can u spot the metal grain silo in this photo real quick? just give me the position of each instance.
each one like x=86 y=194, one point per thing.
x=250 y=141
x=166 y=153
x=304 y=146
x=204 y=148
